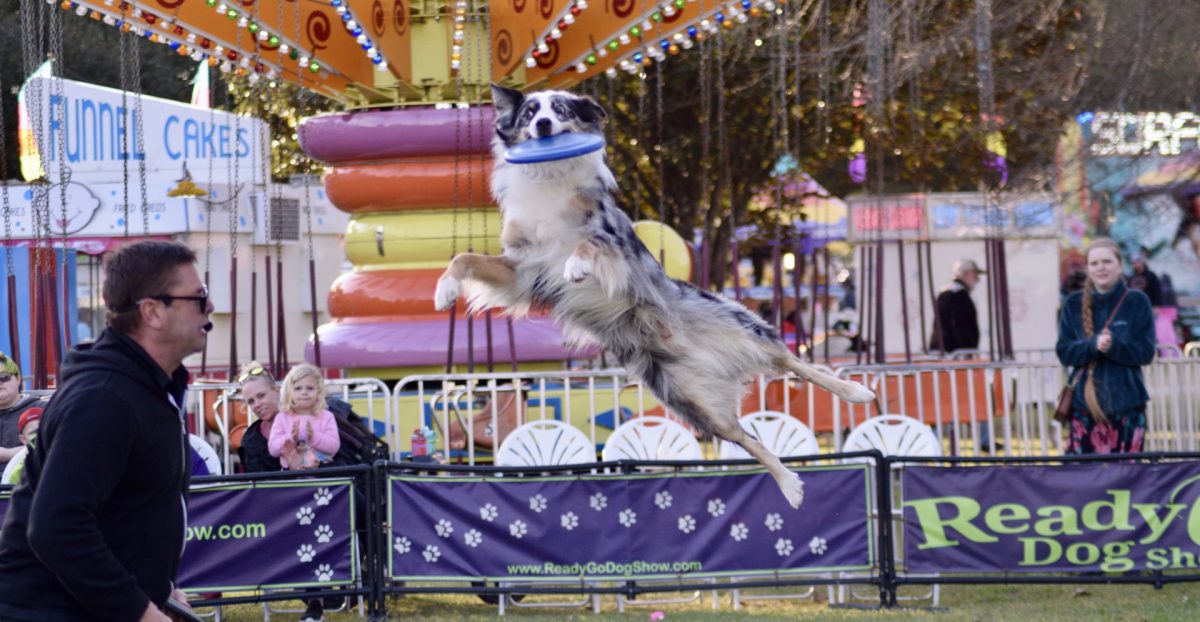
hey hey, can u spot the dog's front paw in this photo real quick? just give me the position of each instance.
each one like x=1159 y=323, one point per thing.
x=793 y=489
x=448 y=291
x=577 y=269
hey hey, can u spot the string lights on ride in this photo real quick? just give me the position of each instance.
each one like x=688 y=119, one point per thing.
x=556 y=32
x=456 y=45
x=198 y=47
x=360 y=36
x=650 y=51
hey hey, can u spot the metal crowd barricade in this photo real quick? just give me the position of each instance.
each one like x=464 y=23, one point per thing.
x=973 y=407
x=453 y=403
x=461 y=406
x=218 y=413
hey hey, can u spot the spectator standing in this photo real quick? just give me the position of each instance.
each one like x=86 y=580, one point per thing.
x=12 y=405
x=955 y=323
x=96 y=529
x=28 y=426
x=1145 y=281
x=1106 y=335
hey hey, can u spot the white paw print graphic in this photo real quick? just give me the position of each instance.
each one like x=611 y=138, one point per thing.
x=322 y=496
x=305 y=516
x=305 y=553
x=783 y=547
x=517 y=529
x=739 y=531
x=431 y=553
x=716 y=507
x=323 y=533
x=402 y=545
x=774 y=522
x=488 y=512
x=569 y=521
x=687 y=524
x=444 y=528
x=598 y=501
x=818 y=545
x=627 y=518
x=472 y=538
x=662 y=500
x=537 y=503
x=324 y=572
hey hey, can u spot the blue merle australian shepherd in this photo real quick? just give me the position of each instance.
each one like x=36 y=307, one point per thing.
x=569 y=248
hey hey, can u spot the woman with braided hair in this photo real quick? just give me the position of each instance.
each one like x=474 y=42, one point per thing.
x=1105 y=336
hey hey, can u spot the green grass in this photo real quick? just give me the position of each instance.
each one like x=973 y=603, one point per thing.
x=959 y=603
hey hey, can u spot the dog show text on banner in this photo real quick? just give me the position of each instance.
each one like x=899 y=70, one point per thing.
x=274 y=534
x=617 y=527
x=1105 y=517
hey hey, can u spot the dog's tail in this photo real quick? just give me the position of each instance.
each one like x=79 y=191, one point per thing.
x=849 y=391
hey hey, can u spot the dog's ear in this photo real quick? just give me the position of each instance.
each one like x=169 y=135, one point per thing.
x=588 y=110
x=506 y=99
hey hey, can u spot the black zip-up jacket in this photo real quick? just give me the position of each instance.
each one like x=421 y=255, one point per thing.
x=96 y=528
x=956 y=318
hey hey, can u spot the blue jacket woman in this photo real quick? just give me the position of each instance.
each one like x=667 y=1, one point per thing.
x=1108 y=412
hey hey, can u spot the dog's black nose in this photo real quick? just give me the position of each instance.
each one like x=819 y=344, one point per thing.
x=543 y=127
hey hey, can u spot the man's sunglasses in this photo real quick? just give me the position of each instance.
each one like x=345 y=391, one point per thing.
x=6 y=377
x=201 y=301
x=253 y=373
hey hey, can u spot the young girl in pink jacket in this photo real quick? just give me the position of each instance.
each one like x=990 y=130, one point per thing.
x=305 y=433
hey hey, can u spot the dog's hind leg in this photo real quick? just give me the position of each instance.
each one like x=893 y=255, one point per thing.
x=849 y=391
x=789 y=483
x=493 y=271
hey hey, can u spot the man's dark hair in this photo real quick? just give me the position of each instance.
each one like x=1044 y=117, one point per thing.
x=138 y=271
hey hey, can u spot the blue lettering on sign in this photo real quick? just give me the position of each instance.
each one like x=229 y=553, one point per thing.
x=94 y=130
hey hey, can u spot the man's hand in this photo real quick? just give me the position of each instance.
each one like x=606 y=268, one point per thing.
x=153 y=614
x=1104 y=341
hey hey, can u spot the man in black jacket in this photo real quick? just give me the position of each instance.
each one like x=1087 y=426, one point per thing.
x=955 y=324
x=96 y=528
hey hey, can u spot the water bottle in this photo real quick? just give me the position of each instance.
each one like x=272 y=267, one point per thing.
x=420 y=447
x=431 y=437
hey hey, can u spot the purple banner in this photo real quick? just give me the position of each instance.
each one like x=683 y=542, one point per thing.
x=283 y=534
x=1085 y=517
x=609 y=526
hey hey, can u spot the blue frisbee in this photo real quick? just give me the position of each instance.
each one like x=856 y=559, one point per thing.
x=550 y=148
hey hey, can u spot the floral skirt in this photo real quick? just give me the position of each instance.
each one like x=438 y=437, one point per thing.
x=1122 y=433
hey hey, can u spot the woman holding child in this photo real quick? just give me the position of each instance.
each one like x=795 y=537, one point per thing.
x=1106 y=335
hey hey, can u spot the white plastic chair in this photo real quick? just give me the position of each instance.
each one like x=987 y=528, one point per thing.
x=207 y=454
x=652 y=438
x=546 y=442
x=894 y=435
x=785 y=436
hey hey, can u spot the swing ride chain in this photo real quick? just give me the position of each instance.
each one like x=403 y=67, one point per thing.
x=486 y=60
x=139 y=144
x=662 y=164
x=7 y=206
x=33 y=49
x=233 y=197
x=126 y=36
x=64 y=172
